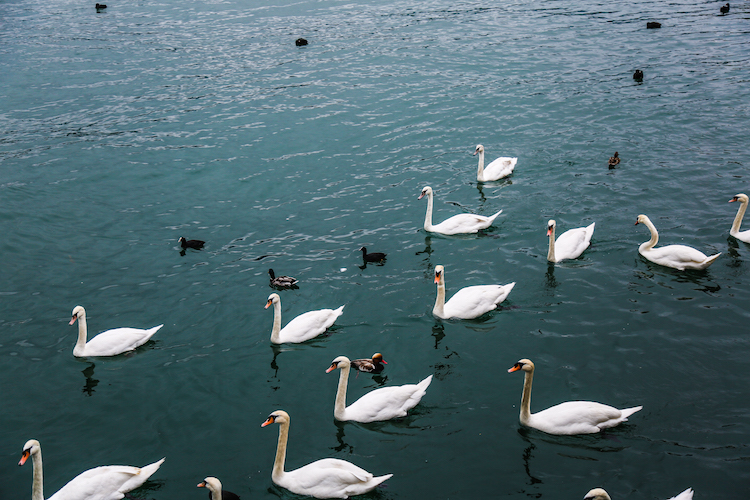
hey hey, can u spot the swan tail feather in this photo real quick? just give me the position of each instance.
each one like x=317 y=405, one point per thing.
x=685 y=495
x=629 y=411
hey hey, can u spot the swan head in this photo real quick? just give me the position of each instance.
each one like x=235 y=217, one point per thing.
x=426 y=191
x=597 y=494
x=378 y=358
x=642 y=219
x=272 y=299
x=480 y=149
x=523 y=364
x=277 y=417
x=741 y=197
x=439 y=274
x=551 y=224
x=32 y=447
x=340 y=362
x=78 y=313
x=213 y=484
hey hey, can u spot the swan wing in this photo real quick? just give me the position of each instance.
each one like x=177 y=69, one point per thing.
x=309 y=325
x=118 y=340
x=572 y=243
x=387 y=403
x=464 y=223
x=685 y=495
x=330 y=478
x=109 y=482
x=742 y=235
x=499 y=168
x=579 y=417
x=474 y=301
x=679 y=257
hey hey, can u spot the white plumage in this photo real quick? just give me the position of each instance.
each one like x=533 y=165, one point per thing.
x=497 y=169
x=570 y=244
x=110 y=342
x=378 y=405
x=676 y=256
x=304 y=327
x=600 y=494
x=458 y=224
x=469 y=302
x=735 y=230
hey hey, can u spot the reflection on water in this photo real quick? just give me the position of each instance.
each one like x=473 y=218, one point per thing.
x=88 y=387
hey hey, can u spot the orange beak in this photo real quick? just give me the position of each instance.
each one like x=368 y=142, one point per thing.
x=268 y=303
x=202 y=485
x=514 y=368
x=73 y=320
x=549 y=231
x=268 y=421
x=331 y=368
x=437 y=277
x=636 y=223
x=25 y=456
x=733 y=199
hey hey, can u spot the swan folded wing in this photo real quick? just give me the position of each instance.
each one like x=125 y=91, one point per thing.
x=577 y=417
x=464 y=223
x=118 y=340
x=474 y=301
x=573 y=242
x=101 y=483
x=329 y=478
x=679 y=256
x=499 y=168
x=387 y=403
x=309 y=325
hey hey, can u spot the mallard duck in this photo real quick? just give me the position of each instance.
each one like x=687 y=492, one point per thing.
x=614 y=160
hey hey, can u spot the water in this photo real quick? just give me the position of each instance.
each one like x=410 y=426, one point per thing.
x=126 y=129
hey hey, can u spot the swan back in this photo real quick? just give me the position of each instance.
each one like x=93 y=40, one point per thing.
x=597 y=494
x=458 y=224
x=497 y=169
x=569 y=245
x=679 y=257
x=469 y=302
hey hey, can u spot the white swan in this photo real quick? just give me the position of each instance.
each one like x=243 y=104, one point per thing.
x=469 y=302
x=304 y=327
x=676 y=256
x=571 y=417
x=109 y=343
x=215 y=491
x=735 y=231
x=600 y=494
x=570 y=244
x=458 y=224
x=499 y=168
x=109 y=482
x=325 y=478
x=378 y=405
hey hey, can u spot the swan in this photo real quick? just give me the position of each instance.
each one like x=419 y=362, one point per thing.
x=570 y=244
x=304 y=327
x=109 y=343
x=571 y=417
x=378 y=405
x=281 y=281
x=600 y=494
x=109 y=482
x=499 y=168
x=469 y=302
x=458 y=224
x=325 y=478
x=676 y=256
x=370 y=365
x=214 y=490
x=735 y=231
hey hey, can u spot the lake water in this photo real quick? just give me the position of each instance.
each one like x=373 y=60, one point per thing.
x=121 y=131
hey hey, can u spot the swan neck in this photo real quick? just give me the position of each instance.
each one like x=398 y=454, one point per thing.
x=480 y=167
x=551 y=251
x=37 y=485
x=738 y=218
x=428 y=215
x=654 y=236
x=80 y=347
x=276 y=323
x=526 y=398
x=339 y=408
x=439 y=309
x=278 y=463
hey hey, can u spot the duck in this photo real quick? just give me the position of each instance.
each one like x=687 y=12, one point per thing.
x=281 y=281
x=372 y=257
x=571 y=417
x=458 y=224
x=325 y=478
x=370 y=365
x=469 y=302
x=215 y=492
x=378 y=405
x=304 y=327
x=679 y=257
x=735 y=230
x=570 y=244
x=109 y=482
x=653 y=25
x=499 y=168
x=110 y=342
x=601 y=494
x=638 y=75
x=194 y=244
x=614 y=160
x=724 y=8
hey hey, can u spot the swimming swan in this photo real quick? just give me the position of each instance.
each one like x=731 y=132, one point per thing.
x=109 y=343
x=458 y=224
x=600 y=494
x=570 y=244
x=735 y=231
x=499 y=168
x=325 y=478
x=378 y=405
x=109 y=482
x=571 y=417
x=215 y=491
x=676 y=256
x=469 y=302
x=304 y=327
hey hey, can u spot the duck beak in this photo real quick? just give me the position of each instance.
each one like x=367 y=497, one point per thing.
x=25 y=456
x=383 y=361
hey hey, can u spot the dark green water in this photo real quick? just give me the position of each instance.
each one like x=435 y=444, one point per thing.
x=122 y=131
